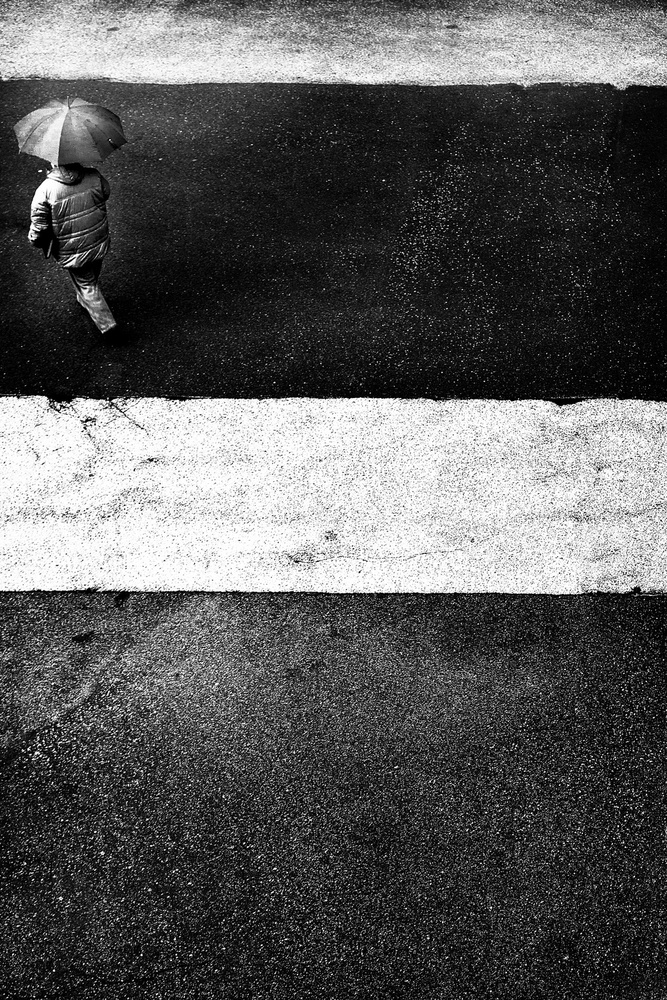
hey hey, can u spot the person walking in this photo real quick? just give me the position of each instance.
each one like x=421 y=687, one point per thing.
x=69 y=214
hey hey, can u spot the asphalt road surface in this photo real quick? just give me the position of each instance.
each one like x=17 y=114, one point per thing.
x=280 y=240
x=289 y=796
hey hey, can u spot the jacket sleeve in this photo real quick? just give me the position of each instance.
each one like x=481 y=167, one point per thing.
x=40 y=215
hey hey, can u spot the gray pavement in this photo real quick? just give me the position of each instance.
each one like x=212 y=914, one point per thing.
x=277 y=240
x=332 y=796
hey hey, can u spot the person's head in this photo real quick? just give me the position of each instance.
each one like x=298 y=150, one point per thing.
x=67 y=166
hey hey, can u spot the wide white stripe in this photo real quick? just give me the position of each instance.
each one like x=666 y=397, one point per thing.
x=587 y=42
x=333 y=495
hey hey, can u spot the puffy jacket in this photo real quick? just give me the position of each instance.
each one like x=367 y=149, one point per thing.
x=72 y=203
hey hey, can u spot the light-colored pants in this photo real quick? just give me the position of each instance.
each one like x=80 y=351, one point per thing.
x=86 y=281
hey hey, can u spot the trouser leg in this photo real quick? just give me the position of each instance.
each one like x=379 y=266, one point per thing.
x=86 y=281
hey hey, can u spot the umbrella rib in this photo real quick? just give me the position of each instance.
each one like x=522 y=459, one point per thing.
x=104 y=114
x=93 y=126
x=36 y=126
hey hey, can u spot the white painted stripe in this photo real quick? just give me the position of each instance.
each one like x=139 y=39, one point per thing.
x=527 y=43
x=333 y=495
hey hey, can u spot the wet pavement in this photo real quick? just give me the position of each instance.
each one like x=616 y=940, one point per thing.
x=332 y=796
x=278 y=240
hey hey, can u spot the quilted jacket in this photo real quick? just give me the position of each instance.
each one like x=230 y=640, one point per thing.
x=71 y=202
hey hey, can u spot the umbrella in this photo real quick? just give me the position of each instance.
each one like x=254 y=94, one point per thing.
x=71 y=131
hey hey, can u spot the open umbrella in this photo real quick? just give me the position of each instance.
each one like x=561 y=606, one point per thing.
x=71 y=131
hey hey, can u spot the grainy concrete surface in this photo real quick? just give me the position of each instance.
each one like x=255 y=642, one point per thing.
x=427 y=43
x=361 y=796
x=269 y=240
x=290 y=796
x=333 y=495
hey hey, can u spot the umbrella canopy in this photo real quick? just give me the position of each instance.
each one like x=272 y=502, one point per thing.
x=71 y=131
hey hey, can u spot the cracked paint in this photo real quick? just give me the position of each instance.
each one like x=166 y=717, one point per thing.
x=353 y=495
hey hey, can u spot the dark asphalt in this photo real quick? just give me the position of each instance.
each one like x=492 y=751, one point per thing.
x=292 y=796
x=275 y=240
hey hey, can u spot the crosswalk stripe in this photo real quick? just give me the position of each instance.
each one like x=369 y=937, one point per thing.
x=345 y=495
x=165 y=43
